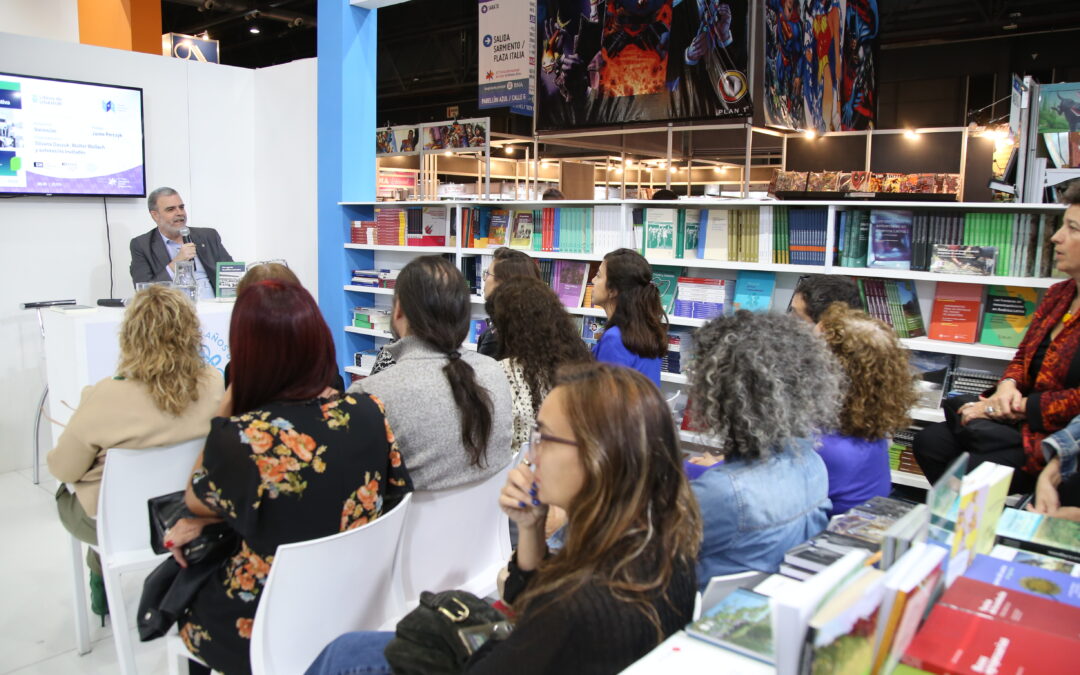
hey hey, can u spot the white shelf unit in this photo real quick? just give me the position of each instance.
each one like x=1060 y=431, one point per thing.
x=925 y=281
x=910 y=479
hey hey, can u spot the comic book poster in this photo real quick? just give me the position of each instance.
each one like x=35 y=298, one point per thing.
x=458 y=134
x=605 y=62
x=397 y=140
x=819 y=64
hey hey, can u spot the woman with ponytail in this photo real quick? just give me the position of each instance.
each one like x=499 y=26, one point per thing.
x=450 y=408
x=636 y=332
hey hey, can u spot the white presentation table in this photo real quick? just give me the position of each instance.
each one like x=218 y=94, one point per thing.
x=83 y=347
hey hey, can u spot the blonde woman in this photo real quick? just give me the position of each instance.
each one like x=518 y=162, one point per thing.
x=163 y=393
x=880 y=392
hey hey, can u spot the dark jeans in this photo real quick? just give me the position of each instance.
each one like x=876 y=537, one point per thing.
x=354 y=653
x=936 y=447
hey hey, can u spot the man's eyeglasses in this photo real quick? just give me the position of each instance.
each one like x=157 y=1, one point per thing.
x=488 y=274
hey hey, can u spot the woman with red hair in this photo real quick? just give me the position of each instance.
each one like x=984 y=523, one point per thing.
x=295 y=461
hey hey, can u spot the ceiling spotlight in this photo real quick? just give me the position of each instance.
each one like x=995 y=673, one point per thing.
x=509 y=149
x=810 y=135
x=254 y=30
x=618 y=171
x=719 y=169
x=911 y=135
x=629 y=163
x=448 y=153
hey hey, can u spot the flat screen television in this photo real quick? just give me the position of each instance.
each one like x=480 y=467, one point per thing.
x=60 y=137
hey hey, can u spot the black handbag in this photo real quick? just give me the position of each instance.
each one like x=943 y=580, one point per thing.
x=429 y=641
x=166 y=510
x=981 y=436
x=167 y=592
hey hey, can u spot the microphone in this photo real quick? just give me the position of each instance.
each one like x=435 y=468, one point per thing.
x=185 y=233
x=113 y=302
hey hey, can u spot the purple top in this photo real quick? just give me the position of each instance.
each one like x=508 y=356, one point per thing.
x=610 y=349
x=858 y=470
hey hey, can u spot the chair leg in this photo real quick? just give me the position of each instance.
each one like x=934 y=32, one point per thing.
x=121 y=626
x=82 y=623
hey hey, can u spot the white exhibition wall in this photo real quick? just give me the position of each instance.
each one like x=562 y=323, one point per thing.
x=240 y=147
x=50 y=19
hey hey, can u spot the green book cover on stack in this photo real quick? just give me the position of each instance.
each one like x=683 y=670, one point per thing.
x=1007 y=314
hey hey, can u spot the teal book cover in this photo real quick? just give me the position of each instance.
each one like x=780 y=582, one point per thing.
x=754 y=290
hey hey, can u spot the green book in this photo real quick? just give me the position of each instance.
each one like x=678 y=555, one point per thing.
x=691 y=231
x=228 y=276
x=666 y=280
x=1007 y=314
x=680 y=233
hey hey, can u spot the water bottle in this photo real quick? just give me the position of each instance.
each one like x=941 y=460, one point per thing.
x=184 y=279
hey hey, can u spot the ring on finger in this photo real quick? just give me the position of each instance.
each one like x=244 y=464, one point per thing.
x=989 y=410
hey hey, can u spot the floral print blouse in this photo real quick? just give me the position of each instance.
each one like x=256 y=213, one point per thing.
x=287 y=472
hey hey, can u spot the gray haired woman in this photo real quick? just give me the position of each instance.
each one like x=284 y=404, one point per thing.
x=762 y=385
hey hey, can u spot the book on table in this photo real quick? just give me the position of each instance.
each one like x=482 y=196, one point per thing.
x=1047 y=562
x=840 y=634
x=1011 y=606
x=1048 y=584
x=740 y=622
x=1040 y=533
x=910 y=585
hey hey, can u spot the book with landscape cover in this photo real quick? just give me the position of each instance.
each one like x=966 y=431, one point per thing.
x=840 y=636
x=890 y=239
x=955 y=316
x=1047 y=562
x=954 y=641
x=1007 y=315
x=954 y=259
x=741 y=622
x=1040 y=533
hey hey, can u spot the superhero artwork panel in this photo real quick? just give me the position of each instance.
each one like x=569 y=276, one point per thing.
x=458 y=134
x=819 y=64
x=602 y=62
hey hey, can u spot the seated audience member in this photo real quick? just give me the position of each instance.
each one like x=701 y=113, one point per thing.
x=538 y=337
x=761 y=385
x=605 y=449
x=880 y=391
x=1057 y=490
x=273 y=270
x=450 y=408
x=664 y=194
x=163 y=393
x=552 y=194
x=1040 y=391
x=505 y=265
x=295 y=461
x=816 y=292
x=635 y=335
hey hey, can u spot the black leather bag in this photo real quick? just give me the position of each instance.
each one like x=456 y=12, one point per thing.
x=167 y=592
x=427 y=640
x=980 y=437
x=166 y=510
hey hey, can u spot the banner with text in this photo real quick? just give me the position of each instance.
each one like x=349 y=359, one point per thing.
x=507 y=54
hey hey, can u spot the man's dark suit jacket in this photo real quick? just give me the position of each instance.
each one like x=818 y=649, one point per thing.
x=150 y=259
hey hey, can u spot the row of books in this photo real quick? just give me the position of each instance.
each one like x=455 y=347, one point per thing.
x=895 y=302
x=380 y=278
x=371 y=318
x=400 y=226
x=901 y=452
x=997 y=243
x=865 y=181
x=896 y=587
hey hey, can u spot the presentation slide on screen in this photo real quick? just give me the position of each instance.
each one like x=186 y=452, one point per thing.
x=69 y=138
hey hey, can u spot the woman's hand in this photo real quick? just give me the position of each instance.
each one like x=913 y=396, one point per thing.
x=1006 y=401
x=976 y=410
x=183 y=532
x=1046 y=488
x=519 y=500
x=707 y=459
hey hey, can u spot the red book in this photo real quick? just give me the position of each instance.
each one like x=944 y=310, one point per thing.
x=955 y=317
x=548 y=242
x=955 y=641
x=1009 y=606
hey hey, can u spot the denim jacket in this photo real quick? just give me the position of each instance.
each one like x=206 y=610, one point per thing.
x=1066 y=445
x=754 y=511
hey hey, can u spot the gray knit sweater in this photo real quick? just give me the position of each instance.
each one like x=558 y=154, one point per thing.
x=423 y=415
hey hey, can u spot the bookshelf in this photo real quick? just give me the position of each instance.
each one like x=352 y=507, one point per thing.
x=622 y=214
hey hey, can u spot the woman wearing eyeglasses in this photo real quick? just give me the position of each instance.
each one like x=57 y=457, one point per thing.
x=507 y=264
x=606 y=450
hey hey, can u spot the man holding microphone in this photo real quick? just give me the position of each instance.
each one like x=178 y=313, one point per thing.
x=154 y=255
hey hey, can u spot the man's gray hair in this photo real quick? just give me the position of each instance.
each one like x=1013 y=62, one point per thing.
x=760 y=381
x=151 y=199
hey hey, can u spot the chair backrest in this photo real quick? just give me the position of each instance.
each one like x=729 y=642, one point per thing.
x=453 y=537
x=131 y=478
x=319 y=589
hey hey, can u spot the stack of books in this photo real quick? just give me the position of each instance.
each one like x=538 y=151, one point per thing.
x=371 y=318
x=700 y=298
x=390 y=226
x=895 y=302
x=362 y=232
x=381 y=278
x=901 y=454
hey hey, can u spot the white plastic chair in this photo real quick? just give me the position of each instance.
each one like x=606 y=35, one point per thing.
x=456 y=538
x=318 y=590
x=123 y=528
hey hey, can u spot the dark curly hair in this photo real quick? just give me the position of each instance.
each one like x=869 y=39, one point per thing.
x=881 y=387
x=821 y=290
x=535 y=331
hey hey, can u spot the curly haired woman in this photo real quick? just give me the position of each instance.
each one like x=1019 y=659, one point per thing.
x=880 y=392
x=163 y=393
x=538 y=337
x=762 y=385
